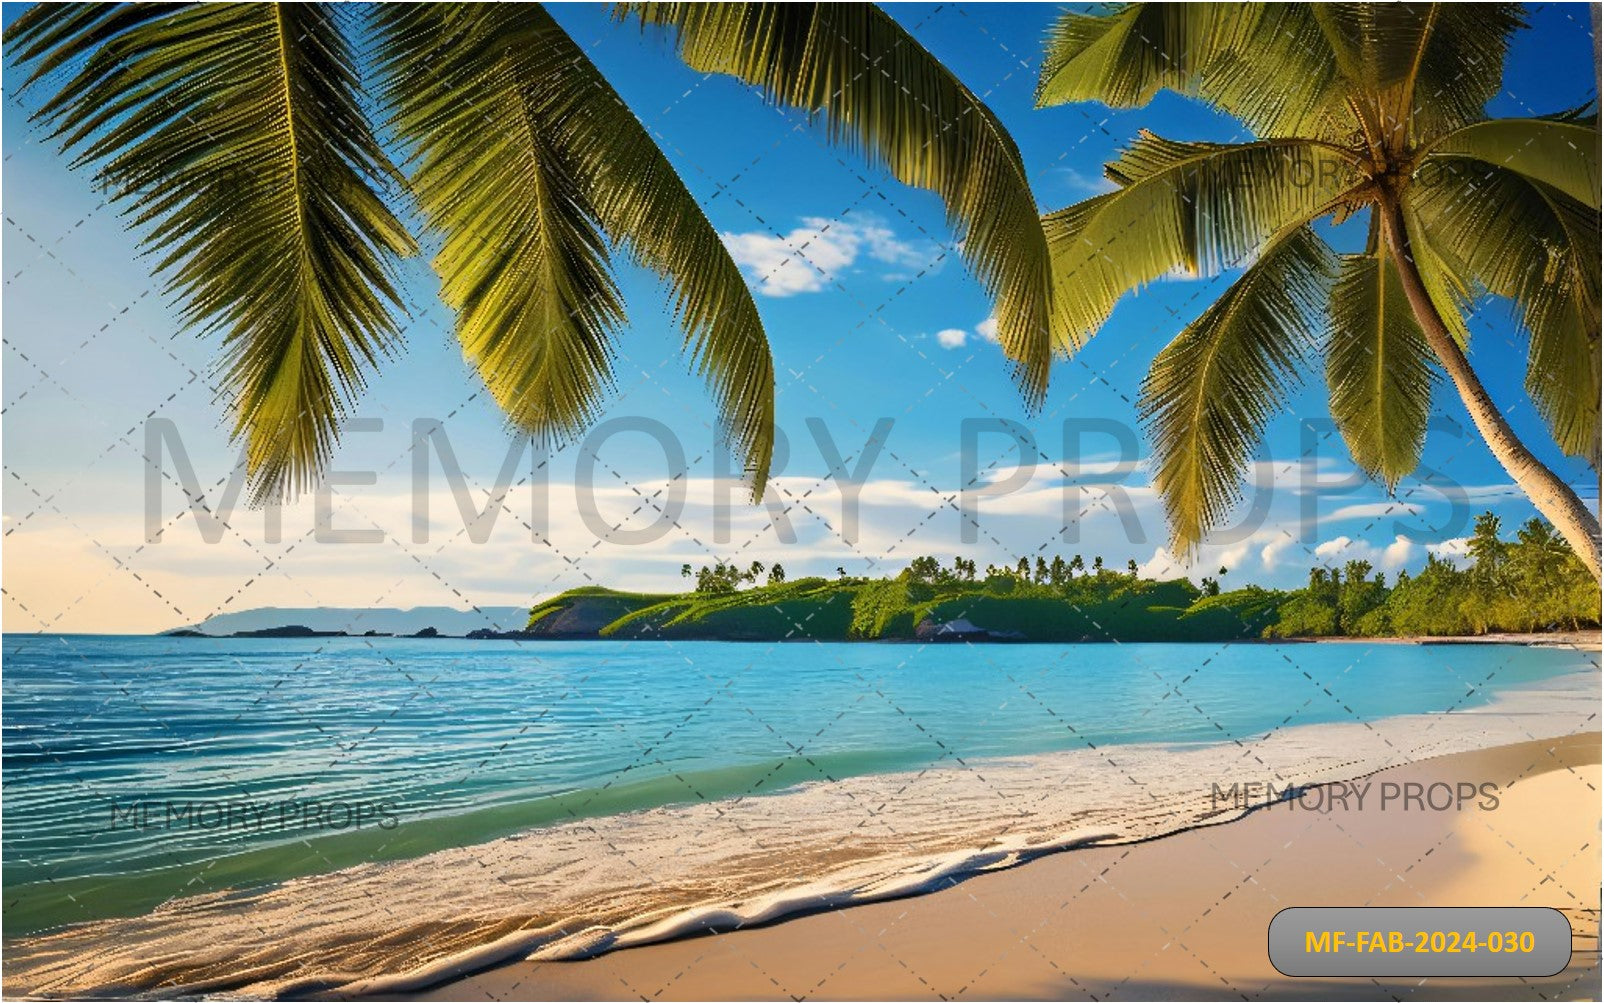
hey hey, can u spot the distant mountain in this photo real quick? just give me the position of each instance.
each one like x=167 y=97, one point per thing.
x=444 y=619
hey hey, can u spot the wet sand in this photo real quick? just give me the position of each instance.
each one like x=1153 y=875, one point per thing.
x=1582 y=640
x=851 y=856
x=1182 y=916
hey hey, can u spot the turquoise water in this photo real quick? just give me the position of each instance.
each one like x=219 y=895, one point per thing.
x=132 y=763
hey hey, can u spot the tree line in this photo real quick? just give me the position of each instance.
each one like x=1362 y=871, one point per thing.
x=1533 y=582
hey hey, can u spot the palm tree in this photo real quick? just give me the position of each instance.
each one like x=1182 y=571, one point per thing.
x=238 y=138
x=1374 y=109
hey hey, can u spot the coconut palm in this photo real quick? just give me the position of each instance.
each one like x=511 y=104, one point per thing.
x=1373 y=109
x=244 y=140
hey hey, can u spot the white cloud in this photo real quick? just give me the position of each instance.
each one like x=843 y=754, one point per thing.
x=952 y=337
x=1377 y=510
x=1456 y=550
x=1339 y=550
x=1270 y=556
x=819 y=252
x=885 y=246
x=1093 y=503
x=1080 y=183
x=988 y=329
x=1210 y=558
x=1162 y=565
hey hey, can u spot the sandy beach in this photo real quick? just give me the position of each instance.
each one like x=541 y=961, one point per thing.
x=1582 y=640
x=934 y=876
x=1181 y=916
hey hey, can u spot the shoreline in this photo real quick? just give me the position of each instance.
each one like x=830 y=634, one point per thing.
x=580 y=889
x=1587 y=639
x=1163 y=917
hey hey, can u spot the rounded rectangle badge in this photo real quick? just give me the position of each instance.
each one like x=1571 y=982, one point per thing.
x=1420 y=941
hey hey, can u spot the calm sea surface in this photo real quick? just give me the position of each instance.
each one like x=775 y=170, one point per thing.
x=133 y=763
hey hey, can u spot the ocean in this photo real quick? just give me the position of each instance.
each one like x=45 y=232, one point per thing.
x=565 y=797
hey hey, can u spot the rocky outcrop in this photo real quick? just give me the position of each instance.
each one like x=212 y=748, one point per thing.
x=291 y=630
x=581 y=614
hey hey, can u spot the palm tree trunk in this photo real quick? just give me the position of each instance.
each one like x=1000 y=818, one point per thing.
x=1554 y=498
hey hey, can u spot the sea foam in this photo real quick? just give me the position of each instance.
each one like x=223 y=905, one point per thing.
x=586 y=886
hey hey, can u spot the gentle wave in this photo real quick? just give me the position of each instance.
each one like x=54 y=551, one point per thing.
x=584 y=886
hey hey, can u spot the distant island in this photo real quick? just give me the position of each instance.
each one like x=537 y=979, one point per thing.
x=334 y=621
x=1532 y=584
x=298 y=630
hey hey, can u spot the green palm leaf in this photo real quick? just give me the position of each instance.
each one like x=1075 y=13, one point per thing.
x=1396 y=94
x=1268 y=65
x=530 y=167
x=1125 y=57
x=1210 y=393
x=1530 y=242
x=1422 y=69
x=1560 y=153
x=1198 y=208
x=881 y=93
x=1450 y=295
x=1378 y=367
x=235 y=132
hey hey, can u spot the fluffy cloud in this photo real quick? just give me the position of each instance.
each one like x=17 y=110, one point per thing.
x=1400 y=552
x=1377 y=510
x=1081 y=184
x=1456 y=549
x=1270 y=555
x=955 y=337
x=817 y=253
x=1259 y=553
x=95 y=570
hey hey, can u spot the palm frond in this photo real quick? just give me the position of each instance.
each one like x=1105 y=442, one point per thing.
x=1268 y=65
x=1559 y=152
x=1210 y=393
x=880 y=93
x=1424 y=68
x=1458 y=68
x=1520 y=238
x=528 y=164
x=1585 y=113
x=235 y=133
x=1198 y=208
x=1378 y=366
x=1124 y=57
x=50 y=37
x=1450 y=293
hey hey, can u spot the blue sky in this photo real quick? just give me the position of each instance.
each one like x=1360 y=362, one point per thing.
x=874 y=318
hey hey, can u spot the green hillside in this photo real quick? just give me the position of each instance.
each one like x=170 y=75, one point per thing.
x=1526 y=584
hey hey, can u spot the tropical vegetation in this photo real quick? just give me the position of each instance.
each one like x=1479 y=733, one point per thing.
x=270 y=154
x=1531 y=583
x=1364 y=111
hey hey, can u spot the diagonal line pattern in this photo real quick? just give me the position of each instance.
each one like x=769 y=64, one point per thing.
x=654 y=503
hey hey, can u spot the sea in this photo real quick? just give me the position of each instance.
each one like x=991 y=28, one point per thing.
x=378 y=813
